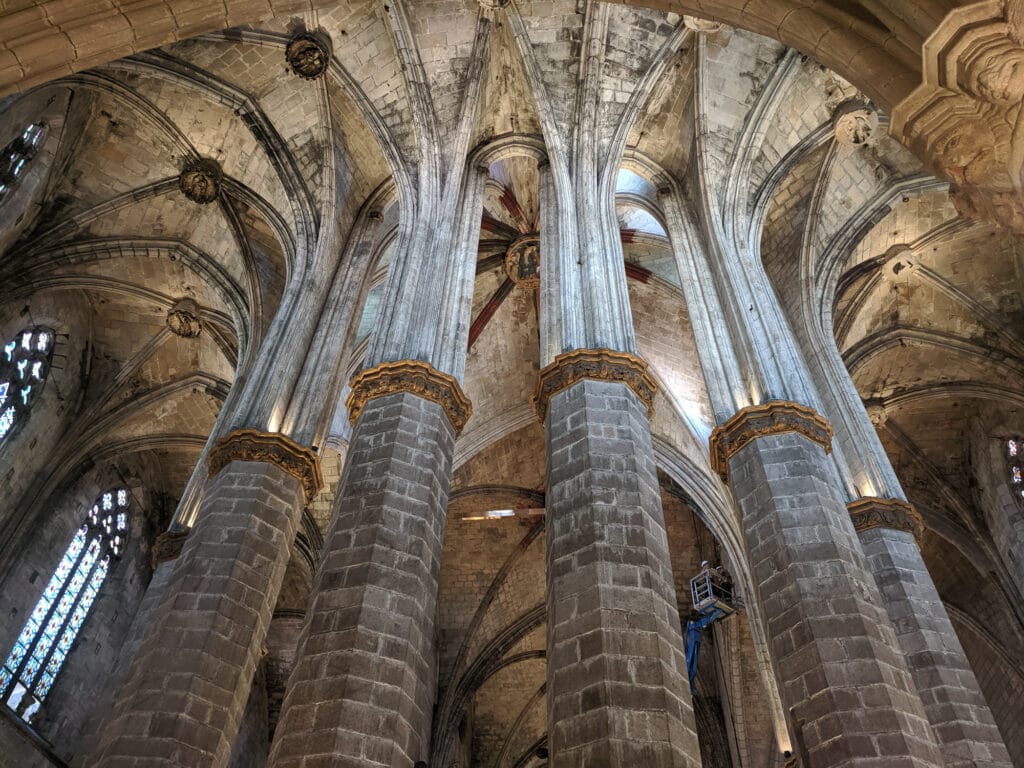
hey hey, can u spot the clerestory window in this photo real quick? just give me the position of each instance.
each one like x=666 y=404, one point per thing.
x=47 y=637
x=17 y=155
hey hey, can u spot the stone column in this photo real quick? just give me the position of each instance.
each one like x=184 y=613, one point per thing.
x=842 y=674
x=834 y=651
x=165 y=551
x=364 y=682
x=889 y=531
x=617 y=687
x=189 y=682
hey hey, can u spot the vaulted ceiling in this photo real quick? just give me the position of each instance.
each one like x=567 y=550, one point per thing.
x=925 y=307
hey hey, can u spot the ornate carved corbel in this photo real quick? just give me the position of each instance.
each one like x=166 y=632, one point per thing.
x=775 y=417
x=572 y=367
x=897 y=514
x=270 y=448
x=966 y=120
x=168 y=546
x=415 y=377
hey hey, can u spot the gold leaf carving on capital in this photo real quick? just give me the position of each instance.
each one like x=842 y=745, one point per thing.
x=415 y=377
x=895 y=514
x=269 y=448
x=572 y=367
x=775 y=417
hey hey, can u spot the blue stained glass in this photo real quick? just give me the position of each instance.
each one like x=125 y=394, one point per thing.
x=31 y=667
x=17 y=654
x=6 y=421
x=3 y=392
x=45 y=682
x=25 y=392
x=50 y=631
x=22 y=365
x=71 y=631
x=9 y=350
x=53 y=588
x=67 y=599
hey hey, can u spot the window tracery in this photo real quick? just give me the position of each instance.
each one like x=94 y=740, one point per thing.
x=16 y=156
x=50 y=631
x=24 y=366
x=1015 y=463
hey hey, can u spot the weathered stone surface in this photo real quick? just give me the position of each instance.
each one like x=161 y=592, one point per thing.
x=617 y=688
x=183 y=698
x=833 y=648
x=953 y=702
x=364 y=681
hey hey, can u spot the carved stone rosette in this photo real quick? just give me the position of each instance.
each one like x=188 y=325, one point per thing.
x=308 y=55
x=415 y=377
x=570 y=368
x=168 y=546
x=897 y=514
x=184 y=318
x=200 y=180
x=270 y=448
x=775 y=417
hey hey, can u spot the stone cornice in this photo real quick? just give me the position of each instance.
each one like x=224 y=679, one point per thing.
x=415 y=377
x=168 y=546
x=271 y=448
x=572 y=367
x=897 y=514
x=775 y=417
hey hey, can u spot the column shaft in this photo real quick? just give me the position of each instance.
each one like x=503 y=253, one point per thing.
x=617 y=688
x=136 y=633
x=842 y=675
x=189 y=682
x=953 y=702
x=363 y=686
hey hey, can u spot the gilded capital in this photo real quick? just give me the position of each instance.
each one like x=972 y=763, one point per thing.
x=896 y=514
x=168 y=546
x=270 y=448
x=572 y=367
x=415 y=377
x=775 y=417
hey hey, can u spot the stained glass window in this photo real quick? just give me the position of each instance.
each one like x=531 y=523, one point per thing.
x=16 y=156
x=50 y=631
x=1015 y=458
x=24 y=365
